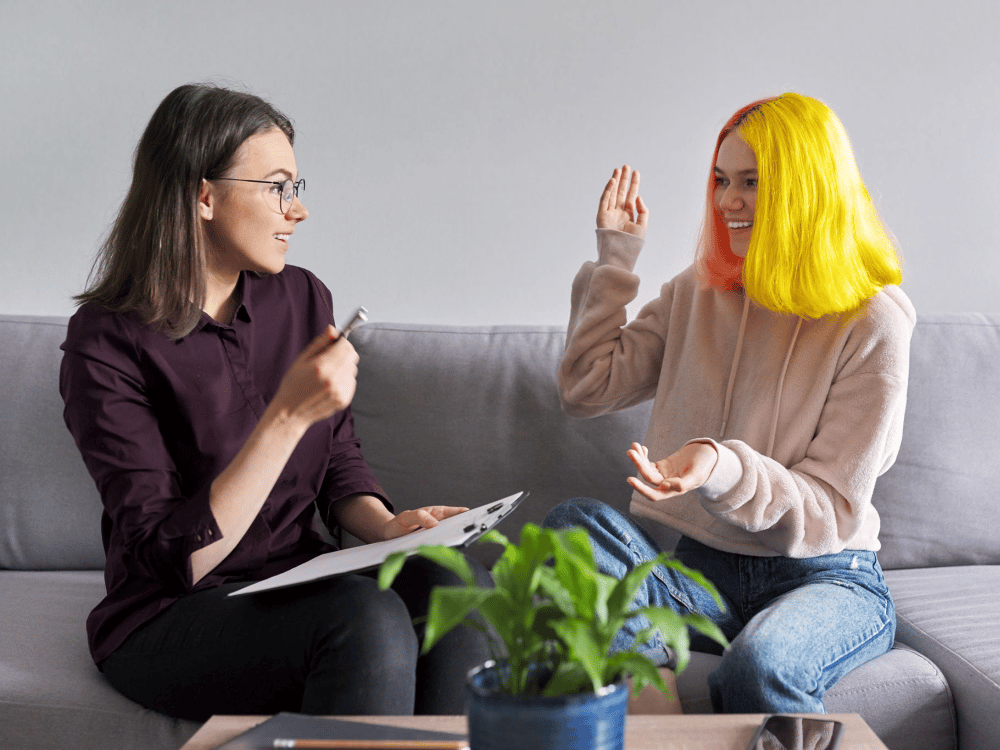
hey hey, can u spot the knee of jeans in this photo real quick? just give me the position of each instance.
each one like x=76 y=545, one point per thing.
x=575 y=512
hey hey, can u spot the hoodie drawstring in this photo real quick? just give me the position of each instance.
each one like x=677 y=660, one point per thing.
x=781 y=378
x=732 y=371
x=781 y=385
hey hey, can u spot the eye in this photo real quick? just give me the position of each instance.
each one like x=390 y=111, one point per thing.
x=752 y=182
x=719 y=181
x=275 y=188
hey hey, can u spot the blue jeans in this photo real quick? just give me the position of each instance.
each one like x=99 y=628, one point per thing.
x=795 y=626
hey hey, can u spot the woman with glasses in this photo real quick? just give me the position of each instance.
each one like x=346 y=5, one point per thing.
x=777 y=365
x=209 y=393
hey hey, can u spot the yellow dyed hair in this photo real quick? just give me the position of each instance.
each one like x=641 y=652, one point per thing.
x=818 y=246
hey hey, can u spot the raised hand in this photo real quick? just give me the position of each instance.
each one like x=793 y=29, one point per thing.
x=321 y=380
x=621 y=206
x=421 y=518
x=683 y=471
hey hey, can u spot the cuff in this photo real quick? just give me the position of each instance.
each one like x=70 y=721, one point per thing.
x=618 y=249
x=725 y=476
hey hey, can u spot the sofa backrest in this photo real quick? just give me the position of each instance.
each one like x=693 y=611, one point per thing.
x=939 y=502
x=452 y=415
x=50 y=511
x=462 y=415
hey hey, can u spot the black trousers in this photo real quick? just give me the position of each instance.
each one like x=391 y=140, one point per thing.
x=337 y=647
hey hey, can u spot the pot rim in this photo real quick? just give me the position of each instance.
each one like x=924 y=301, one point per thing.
x=492 y=665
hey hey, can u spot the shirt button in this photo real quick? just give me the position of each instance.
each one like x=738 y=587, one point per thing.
x=198 y=537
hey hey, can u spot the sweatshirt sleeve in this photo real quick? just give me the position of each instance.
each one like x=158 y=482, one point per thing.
x=609 y=365
x=823 y=502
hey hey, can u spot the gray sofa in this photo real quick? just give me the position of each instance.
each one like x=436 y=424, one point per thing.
x=464 y=415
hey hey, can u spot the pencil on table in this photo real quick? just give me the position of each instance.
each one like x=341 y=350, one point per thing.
x=375 y=744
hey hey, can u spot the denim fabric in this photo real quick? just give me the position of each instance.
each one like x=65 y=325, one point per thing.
x=795 y=626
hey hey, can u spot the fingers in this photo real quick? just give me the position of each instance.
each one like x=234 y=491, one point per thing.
x=444 y=511
x=651 y=493
x=321 y=342
x=642 y=211
x=648 y=471
x=623 y=186
x=631 y=195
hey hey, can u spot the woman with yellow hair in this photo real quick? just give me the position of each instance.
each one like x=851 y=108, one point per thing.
x=777 y=364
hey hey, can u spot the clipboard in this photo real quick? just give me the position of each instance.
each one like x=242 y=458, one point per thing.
x=457 y=531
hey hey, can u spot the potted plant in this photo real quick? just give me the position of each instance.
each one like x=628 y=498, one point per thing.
x=552 y=682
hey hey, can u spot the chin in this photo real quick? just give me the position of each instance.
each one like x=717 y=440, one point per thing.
x=270 y=269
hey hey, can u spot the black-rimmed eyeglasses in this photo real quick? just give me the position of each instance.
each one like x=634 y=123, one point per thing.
x=288 y=190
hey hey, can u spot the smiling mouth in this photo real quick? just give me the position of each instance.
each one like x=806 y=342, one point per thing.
x=739 y=224
x=282 y=237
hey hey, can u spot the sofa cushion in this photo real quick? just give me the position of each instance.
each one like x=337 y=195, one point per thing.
x=950 y=437
x=50 y=510
x=953 y=616
x=474 y=414
x=52 y=694
x=901 y=695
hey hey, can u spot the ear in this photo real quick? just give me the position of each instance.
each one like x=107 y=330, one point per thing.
x=206 y=200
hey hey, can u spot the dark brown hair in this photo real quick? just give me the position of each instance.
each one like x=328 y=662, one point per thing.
x=153 y=261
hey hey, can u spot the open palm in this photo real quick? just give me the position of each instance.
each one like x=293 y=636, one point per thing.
x=621 y=206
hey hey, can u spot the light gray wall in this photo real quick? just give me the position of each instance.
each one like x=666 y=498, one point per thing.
x=455 y=151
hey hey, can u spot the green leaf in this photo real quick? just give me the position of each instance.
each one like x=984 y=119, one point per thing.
x=620 y=601
x=448 y=607
x=569 y=678
x=642 y=670
x=390 y=568
x=506 y=616
x=577 y=570
x=706 y=627
x=495 y=537
x=698 y=578
x=583 y=647
x=450 y=558
x=550 y=585
x=673 y=628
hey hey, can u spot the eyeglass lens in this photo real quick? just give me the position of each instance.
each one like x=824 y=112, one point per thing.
x=289 y=191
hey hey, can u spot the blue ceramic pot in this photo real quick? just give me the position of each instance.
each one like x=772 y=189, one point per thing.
x=583 y=721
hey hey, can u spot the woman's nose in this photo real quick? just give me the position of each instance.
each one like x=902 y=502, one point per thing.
x=297 y=210
x=731 y=200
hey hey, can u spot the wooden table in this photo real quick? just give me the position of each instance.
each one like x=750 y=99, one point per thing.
x=690 y=732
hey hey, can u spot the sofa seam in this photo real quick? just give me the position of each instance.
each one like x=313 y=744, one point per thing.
x=948 y=649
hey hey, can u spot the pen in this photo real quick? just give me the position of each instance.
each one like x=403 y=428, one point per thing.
x=376 y=744
x=359 y=317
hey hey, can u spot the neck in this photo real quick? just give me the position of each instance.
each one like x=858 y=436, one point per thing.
x=220 y=298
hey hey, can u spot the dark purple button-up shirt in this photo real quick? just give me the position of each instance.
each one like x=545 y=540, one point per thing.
x=158 y=420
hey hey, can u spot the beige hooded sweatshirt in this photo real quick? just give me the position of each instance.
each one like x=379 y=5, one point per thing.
x=805 y=414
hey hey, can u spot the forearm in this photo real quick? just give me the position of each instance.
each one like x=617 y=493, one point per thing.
x=608 y=365
x=239 y=492
x=363 y=516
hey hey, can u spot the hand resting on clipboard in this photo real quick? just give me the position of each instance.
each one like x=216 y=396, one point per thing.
x=457 y=531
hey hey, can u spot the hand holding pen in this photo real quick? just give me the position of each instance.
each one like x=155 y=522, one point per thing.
x=323 y=378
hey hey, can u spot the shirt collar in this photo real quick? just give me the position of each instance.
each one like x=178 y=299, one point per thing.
x=243 y=310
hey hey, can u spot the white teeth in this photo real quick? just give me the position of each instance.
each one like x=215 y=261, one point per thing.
x=281 y=236
x=739 y=224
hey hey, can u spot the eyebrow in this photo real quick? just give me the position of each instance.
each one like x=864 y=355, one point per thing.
x=281 y=171
x=742 y=171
